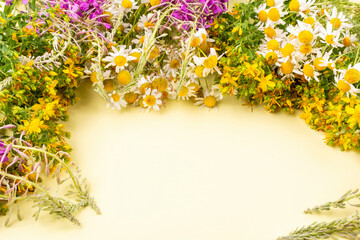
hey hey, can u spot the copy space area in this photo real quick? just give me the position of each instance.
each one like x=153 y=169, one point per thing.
x=186 y=173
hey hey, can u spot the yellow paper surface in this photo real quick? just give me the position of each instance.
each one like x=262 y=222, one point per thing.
x=188 y=174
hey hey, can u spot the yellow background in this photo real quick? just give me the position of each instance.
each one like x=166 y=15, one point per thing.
x=188 y=174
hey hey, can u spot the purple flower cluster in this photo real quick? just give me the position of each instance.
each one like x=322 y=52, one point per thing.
x=83 y=9
x=3 y=153
x=205 y=10
x=10 y=2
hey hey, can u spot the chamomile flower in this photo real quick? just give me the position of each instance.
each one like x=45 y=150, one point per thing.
x=273 y=32
x=200 y=37
x=140 y=39
x=209 y=63
x=275 y=14
x=127 y=5
x=287 y=48
x=262 y=14
x=308 y=71
x=136 y=53
x=270 y=56
x=329 y=36
x=116 y=101
x=118 y=58
x=306 y=7
x=352 y=74
x=303 y=51
x=172 y=65
x=210 y=98
x=154 y=53
x=159 y=81
x=151 y=100
x=286 y=67
x=274 y=3
x=348 y=39
x=344 y=86
x=186 y=91
x=125 y=27
x=304 y=32
x=271 y=44
x=322 y=61
x=93 y=73
x=312 y=21
x=143 y=84
x=338 y=20
x=147 y=21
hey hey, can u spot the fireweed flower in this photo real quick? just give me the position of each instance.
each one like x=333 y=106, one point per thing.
x=83 y=9
x=3 y=157
x=204 y=10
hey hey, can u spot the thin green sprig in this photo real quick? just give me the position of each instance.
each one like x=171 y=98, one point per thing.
x=343 y=228
x=340 y=203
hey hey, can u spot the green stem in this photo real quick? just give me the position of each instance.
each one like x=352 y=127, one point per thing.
x=38 y=187
x=357 y=55
x=76 y=183
x=146 y=52
x=184 y=64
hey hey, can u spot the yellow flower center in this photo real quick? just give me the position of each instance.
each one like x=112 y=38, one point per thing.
x=273 y=45
x=108 y=17
x=331 y=65
x=148 y=24
x=271 y=57
x=126 y=4
x=329 y=39
x=210 y=101
x=160 y=84
x=115 y=97
x=108 y=85
x=335 y=22
x=305 y=36
x=120 y=61
x=121 y=28
x=309 y=20
x=155 y=2
x=263 y=16
x=124 y=77
x=199 y=71
x=287 y=50
x=194 y=86
x=204 y=37
x=287 y=67
x=270 y=32
x=305 y=49
x=270 y=3
x=318 y=62
x=137 y=56
x=352 y=76
x=294 y=5
x=274 y=14
x=347 y=42
x=343 y=86
x=154 y=53
x=142 y=39
x=195 y=42
x=144 y=86
x=210 y=62
x=308 y=70
x=93 y=77
x=131 y=97
x=183 y=92
x=174 y=63
x=150 y=100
